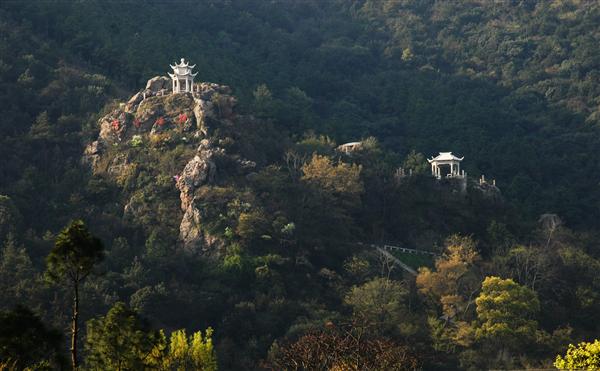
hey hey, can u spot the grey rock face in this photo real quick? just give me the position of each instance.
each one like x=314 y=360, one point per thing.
x=92 y=154
x=119 y=165
x=194 y=238
x=135 y=100
x=158 y=83
x=199 y=171
x=190 y=229
x=201 y=109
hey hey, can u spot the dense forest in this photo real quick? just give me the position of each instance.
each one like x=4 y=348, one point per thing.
x=226 y=229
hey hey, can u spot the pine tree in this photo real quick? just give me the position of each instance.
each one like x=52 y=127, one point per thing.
x=71 y=260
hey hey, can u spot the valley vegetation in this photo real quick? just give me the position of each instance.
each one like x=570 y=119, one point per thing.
x=93 y=272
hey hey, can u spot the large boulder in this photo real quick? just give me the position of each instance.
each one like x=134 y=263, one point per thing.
x=222 y=103
x=199 y=171
x=113 y=126
x=149 y=111
x=162 y=113
x=134 y=101
x=92 y=154
x=202 y=108
x=120 y=166
x=190 y=229
x=194 y=238
x=158 y=83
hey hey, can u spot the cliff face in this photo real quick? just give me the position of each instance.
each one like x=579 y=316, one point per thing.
x=190 y=130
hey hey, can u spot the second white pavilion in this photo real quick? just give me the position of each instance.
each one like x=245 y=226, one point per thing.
x=446 y=165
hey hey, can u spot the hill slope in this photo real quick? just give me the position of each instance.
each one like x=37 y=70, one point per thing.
x=233 y=209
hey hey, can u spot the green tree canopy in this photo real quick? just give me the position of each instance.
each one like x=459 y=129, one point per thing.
x=121 y=340
x=379 y=303
x=505 y=312
x=416 y=162
x=19 y=281
x=25 y=342
x=74 y=255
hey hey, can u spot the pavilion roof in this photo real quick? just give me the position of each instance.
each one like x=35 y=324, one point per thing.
x=174 y=75
x=183 y=64
x=445 y=156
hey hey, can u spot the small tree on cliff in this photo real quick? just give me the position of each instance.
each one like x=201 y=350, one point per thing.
x=70 y=261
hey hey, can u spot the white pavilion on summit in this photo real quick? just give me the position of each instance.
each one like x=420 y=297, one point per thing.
x=446 y=164
x=183 y=78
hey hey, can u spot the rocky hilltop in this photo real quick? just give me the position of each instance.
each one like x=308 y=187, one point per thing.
x=196 y=131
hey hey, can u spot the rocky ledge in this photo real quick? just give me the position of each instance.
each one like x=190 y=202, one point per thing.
x=155 y=112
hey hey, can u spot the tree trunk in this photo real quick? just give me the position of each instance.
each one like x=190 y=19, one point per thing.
x=74 y=327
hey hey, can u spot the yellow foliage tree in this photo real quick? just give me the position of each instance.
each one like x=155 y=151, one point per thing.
x=338 y=178
x=195 y=352
x=584 y=356
x=454 y=280
x=505 y=312
x=452 y=284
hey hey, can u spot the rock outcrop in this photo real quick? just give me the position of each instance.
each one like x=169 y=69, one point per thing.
x=193 y=235
x=153 y=116
x=156 y=110
x=92 y=154
x=199 y=171
x=158 y=83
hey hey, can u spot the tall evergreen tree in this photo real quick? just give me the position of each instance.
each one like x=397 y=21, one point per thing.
x=71 y=260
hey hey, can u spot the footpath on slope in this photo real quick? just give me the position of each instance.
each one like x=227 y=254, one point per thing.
x=385 y=251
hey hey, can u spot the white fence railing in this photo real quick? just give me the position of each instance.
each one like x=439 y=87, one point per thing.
x=404 y=249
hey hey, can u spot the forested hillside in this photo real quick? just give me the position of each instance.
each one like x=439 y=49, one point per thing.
x=230 y=214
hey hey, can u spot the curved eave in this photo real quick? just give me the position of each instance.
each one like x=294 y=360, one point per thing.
x=445 y=159
x=182 y=65
x=174 y=75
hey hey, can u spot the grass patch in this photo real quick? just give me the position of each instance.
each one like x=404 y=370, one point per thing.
x=414 y=260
